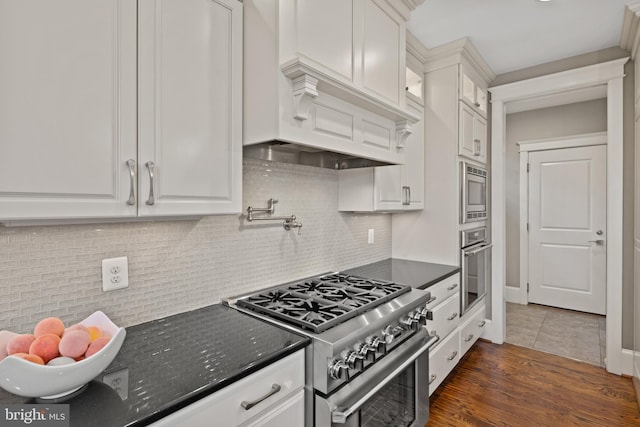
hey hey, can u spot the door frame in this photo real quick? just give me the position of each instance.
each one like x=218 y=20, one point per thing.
x=583 y=140
x=550 y=90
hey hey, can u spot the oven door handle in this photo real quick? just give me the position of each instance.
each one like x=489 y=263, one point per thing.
x=477 y=251
x=340 y=415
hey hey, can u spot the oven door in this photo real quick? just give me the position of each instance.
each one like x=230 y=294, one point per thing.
x=388 y=393
x=476 y=264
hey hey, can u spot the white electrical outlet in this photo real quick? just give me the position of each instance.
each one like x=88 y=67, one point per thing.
x=370 y=239
x=115 y=273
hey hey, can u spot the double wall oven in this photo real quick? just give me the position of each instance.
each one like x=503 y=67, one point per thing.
x=368 y=349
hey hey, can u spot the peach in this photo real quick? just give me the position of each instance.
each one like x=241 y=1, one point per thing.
x=96 y=346
x=30 y=357
x=5 y=337
x=77 y=326
x=50 y=325
x=20 y=344
x=94 y=332
x=74 y=343
x=45 y=346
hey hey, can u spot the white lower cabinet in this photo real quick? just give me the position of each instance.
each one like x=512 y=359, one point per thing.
x=472 y=328
x=277 y=390
x=443 y=359
x=457 y=334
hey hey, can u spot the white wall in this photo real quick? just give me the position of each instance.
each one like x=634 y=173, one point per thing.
x=176 y=266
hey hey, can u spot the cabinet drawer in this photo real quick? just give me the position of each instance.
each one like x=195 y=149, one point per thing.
x=472 y=328
x=443 y=290
x=224 y=407
x=445 y=317
x=443 y=360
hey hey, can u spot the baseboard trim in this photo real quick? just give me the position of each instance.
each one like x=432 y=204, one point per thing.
x=626 y=363
x=512 y=294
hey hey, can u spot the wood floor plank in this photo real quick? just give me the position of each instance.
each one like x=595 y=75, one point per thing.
x=506 y=385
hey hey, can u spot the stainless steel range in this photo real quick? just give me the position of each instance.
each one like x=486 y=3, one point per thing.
x=368 y=346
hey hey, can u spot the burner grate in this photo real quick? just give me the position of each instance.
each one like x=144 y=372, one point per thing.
x=321 y=303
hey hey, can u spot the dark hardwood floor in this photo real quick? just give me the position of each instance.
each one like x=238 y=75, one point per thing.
x=506 y=385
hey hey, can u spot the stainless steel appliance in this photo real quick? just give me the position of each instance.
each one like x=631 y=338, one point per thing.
x=473 y=193
x=475 y=260
x=368 y=345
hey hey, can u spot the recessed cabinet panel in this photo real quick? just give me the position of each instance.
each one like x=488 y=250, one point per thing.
x=376 y=134
x=325 y=33
x=333 y=121
x=382 y=48
x=67 y=108
x=472 y=134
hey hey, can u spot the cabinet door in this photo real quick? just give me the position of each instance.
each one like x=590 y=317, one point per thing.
x=67 y=108
x=413 y=178
x=466 y=145
x=389 y=192
x=383 y=51
x=190 y=92
x=480 y=138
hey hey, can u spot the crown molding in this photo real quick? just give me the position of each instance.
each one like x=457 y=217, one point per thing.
x=404 y=7
x=456 y=52
x=630 y=35
x=416 y=49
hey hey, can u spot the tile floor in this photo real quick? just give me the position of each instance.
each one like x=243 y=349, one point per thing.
x=573 y=334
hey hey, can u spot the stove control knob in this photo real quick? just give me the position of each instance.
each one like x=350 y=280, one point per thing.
x=338 y=370
x=410 y=323
x=421 y=316
x=390 y=333
x=354 y=360
x=367 y=352
x=375 y=342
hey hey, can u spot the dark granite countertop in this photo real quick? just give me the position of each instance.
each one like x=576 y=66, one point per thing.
x=172 y=362
x=413 y=273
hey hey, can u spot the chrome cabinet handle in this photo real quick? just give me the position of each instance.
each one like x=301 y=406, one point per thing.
x=248 y=405
x=481 y=324
x=597 y=242
x=132 y=175
x=476 y=147
x=409 y=195
x=452 y=287
x=453 y=356
x=453 y=316
x=432 y=378
x=432 y=299
x=151 y=166
x=468 y=338
x=406 y=194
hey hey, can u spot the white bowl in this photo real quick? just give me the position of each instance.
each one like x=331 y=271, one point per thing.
x=25 y=378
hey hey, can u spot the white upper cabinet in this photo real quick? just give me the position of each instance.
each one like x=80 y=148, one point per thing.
x=67 y=109
x=94 y=97
x=387 y=188
x=329 y=75
x=190 y=111
x=472 y=134
x=473 y=90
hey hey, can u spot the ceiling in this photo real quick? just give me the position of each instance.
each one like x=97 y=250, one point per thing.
x=515 y=34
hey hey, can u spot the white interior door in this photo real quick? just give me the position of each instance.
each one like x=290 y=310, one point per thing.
x=567 y=234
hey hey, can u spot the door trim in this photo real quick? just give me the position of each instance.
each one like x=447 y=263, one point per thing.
x=610 y=75
x=583 y=140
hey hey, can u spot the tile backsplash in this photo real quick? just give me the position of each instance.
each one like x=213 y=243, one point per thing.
x=176 y=266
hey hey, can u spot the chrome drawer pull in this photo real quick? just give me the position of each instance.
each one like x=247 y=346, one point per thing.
x=452 y=287
x=248 y=405
x=453 y=356
x=132 y=174
x=481 y=324
x=469 y=338
x=453 y=316
x=151 y=166
x=432 y=378
x=432 y=299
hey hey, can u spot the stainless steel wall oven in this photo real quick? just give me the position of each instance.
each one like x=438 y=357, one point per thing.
x=473 y=193
x=475 y=260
